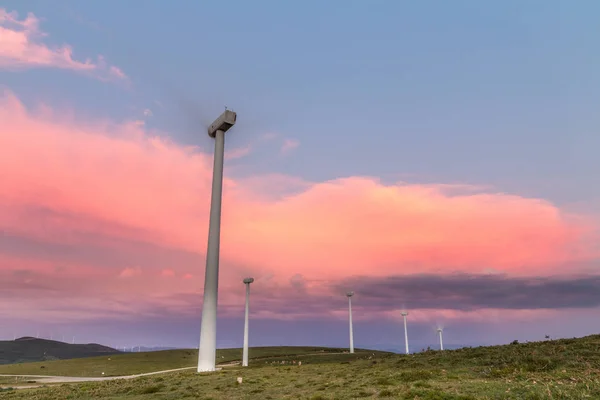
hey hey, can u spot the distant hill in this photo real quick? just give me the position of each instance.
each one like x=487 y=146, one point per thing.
x=28 y=349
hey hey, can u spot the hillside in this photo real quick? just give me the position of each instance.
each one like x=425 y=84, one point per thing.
x=28 y=349
x=558 y=370
x=138 y=363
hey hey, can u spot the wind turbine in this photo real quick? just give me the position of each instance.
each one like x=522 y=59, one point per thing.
x=207 y=350
x=439 y=331
x=247 y=282
x=404 y=314
x=349 y=295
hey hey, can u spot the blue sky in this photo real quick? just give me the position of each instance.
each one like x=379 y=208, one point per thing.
x=463 y=91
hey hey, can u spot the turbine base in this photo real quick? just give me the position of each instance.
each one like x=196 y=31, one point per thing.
x=204 y=370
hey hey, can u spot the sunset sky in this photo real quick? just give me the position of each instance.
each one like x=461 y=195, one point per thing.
x=436 y=156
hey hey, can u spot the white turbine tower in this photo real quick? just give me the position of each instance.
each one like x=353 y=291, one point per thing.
x=404 y=314
x=439 y=331
x=350 y=294
x=247 y=282
x=207 y=350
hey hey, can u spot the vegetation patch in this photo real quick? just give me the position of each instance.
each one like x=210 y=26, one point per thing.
x=557 y=370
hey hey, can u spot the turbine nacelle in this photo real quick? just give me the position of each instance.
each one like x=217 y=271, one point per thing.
x=248 y=281
x=350 y=294
x=223 y=123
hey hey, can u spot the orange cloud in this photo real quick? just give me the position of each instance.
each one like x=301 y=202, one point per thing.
x=76 y=183
x=20 y=48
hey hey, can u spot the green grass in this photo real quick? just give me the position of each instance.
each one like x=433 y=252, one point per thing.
x=137 y=363
x=560 y=369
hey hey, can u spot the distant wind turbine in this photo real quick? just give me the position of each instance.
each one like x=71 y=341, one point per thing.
x=247 y=282
x=404 y=314
x=349 y=295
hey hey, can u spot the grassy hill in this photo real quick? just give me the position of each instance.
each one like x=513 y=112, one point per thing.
x=558 y=369
x=138 y=363
x=27 y=349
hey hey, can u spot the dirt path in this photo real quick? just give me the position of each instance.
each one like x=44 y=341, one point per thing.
x=46 y=379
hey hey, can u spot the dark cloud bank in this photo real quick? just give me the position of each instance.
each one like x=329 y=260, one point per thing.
x=470 y=292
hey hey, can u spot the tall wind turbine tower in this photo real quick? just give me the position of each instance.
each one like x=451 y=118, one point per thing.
x=439 y=331
x=207 y=350
x=350 y=294
x=247 y=282
x=404 y=314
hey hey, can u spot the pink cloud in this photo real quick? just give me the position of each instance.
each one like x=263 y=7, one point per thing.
x=21 y=48
x=237 y=153
x=117 y=72
x=167 y=272
x=130 y=272
x=118 y=180
x=289 y=145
